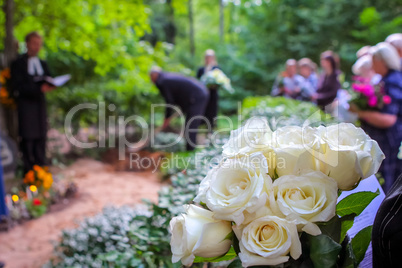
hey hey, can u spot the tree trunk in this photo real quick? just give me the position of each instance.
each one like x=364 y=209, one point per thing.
x=170 y=28
x=221 y=22
x=191 y=21
x=10 y=48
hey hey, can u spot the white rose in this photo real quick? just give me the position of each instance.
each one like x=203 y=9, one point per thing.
x=254 y=136
x=292 y=143
x=307 y=198
x=236 y=186
x=349 y=155
x=197 y=233
x=268 y=241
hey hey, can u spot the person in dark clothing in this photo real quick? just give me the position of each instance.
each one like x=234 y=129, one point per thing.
x=385 y=125
x=387 y=230
x=328 y=84
x=31 y=102
x=187 y=93
x=211 y=111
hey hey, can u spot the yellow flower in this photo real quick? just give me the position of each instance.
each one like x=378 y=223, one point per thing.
x=48 y=181
x=15 y=198
x=33 y=188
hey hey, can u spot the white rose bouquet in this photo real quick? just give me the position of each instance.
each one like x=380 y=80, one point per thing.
x=284 y=210
x=217 y=78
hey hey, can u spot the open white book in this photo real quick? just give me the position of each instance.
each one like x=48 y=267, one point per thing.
x=57 y=81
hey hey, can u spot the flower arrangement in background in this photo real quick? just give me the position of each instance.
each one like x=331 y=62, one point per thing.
x=216 y=78
x=40 y=177
x=273 y=198
x=38 y=190
x=367 y=96
x=5 y=95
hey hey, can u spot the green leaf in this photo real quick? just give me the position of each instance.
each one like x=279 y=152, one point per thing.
x=230 y=255
x=355 y=203
x=229 y=236
x=235 y=264
x=324 y=251
x=331 y=228
x=370 y=16
x=361 y=242
x=235 y=244
x=346 y=224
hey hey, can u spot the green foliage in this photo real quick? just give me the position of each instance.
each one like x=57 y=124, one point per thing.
x=100 y=235
x=282 y=112
x=235 y=264
x=104 y=31
x=324 y=251
x=230 y=255
x=169 y=142
x=36 y=210
x=360 y=243
x=355 y=203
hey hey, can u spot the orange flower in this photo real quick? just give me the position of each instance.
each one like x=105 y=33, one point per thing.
x=29 y=177
x=6 y=73
x=37 y=168
x=48 y=181
x=3 y=92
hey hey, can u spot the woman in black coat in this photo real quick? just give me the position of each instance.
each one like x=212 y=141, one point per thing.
x=328 y=83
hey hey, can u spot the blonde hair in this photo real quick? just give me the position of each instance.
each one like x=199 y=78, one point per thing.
x=395 y=40
x=364 y=62
x=388 y=54
x=209 y=52
x=291 y=62
x=363 y=51
x=305 y=62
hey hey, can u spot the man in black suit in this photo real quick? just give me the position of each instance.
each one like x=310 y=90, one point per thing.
x=187 y=93
x=31 y=102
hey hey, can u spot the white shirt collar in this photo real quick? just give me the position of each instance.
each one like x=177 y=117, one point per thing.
x=34 y=66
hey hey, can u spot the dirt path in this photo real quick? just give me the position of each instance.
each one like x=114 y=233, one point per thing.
x=29 y=245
